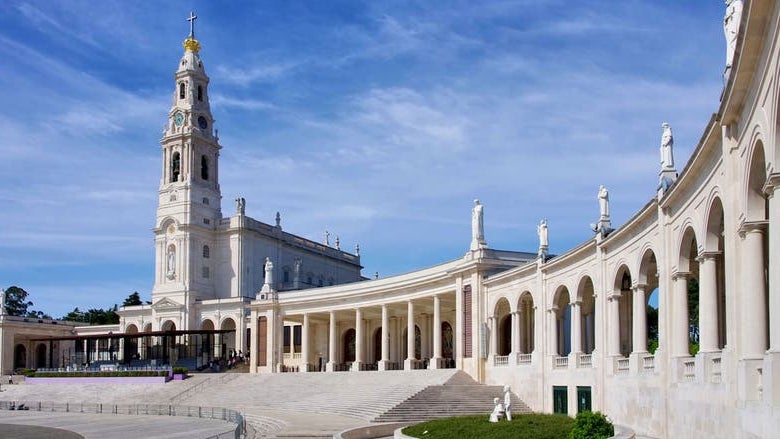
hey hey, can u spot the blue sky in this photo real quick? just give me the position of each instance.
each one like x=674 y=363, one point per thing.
x=378 y=121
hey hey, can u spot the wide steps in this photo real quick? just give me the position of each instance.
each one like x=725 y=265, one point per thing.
x=362 y=395
x=459 y=396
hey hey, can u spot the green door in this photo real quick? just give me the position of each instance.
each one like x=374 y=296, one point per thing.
x=560 y=400
x=583 y=399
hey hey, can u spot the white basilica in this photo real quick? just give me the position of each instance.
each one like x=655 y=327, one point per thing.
x=568 y=332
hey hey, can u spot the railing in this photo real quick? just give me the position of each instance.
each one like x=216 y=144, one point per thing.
x=621 y=366
x=297 y=356
x=116 y=368
x=648 y=364
x=417 y=364
x=523 y=358
x=369 y=366
x=585 y=360
x=689 y=370
x=216 y=413
x=501 y=360
x=394 y=365
x=561 y=362
x=716 y=370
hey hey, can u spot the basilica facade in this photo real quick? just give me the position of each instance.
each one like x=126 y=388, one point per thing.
x=569 y=332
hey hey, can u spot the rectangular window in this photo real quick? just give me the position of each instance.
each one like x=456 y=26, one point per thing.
x=583 y=399
x=206 y=221
x=560 y=400
x=206 y=273
x=297 y=337
x=205 y=201
x=467 y=342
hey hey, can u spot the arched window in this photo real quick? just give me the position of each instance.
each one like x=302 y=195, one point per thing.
x=175 y=167
x=204 y=167
x=206 y=252
x=182 y=90
x=200 y=92
x=286 y=275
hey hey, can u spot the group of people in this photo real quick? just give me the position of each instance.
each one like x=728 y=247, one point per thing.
x=233 y=359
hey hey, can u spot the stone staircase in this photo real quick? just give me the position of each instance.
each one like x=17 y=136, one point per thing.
x=460 y=395
x=364 y=395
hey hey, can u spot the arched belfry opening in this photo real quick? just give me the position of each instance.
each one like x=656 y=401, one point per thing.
x=175 y=166
x=182 y=90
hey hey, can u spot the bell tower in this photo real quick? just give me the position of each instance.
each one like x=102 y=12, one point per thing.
x=188 y=208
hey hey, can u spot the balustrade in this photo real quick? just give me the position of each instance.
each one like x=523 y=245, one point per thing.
x=689 y=370
x=501 y=360
x=523 y=358
x=561 y=362
x=622 y=366
x=585 y=360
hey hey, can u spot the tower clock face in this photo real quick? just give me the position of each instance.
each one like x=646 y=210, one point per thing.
x=202 y=122
x=178 y=119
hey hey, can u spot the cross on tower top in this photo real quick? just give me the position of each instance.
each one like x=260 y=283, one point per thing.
x=192 y=19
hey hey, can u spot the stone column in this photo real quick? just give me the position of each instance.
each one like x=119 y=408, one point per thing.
x=708 y=303
x=613 y=329
x=434 y=364
x=305 y=348
x=772 y=190
x=754 y=322
x=358 y=340
x=552 y=317
x=330 y=366
x=640 y=320
x=515 y=341
x=409 y=336
x=576 y=327
x=385 y=339
x=493 y=336
x=679 y=333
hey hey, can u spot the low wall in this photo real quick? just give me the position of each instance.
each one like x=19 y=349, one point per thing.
x=371 y=431
x=97 y=380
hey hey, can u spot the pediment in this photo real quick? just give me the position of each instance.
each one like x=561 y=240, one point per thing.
x=166 y=304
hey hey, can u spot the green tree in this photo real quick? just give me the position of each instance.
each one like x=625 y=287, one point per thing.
x=16 y=303
x=133 y=300
x=693 y=316
x=74 y=316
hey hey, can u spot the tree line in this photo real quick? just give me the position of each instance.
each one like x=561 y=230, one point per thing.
x=18 y=304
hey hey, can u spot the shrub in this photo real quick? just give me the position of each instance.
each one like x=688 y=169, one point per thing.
x=28 y=372
x=180 y=370
x=590 y=425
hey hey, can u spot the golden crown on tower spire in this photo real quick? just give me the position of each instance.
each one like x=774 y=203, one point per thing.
x=191 y=43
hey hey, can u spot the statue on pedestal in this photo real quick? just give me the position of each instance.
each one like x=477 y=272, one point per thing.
x=171 y=269
x=731 y=22
x=667 y=141
x=477 y=228
x=541 y=230
x=604 y=226
x=603 y=202
x=268 y=283
x=2 y=302
x=240 y=206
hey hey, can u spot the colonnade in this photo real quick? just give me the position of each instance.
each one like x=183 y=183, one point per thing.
x=399 y=335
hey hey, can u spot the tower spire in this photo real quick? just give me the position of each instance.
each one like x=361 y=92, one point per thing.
x=192 y=19
x=191 y=43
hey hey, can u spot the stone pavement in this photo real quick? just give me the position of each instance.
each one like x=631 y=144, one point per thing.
x=119 y=426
